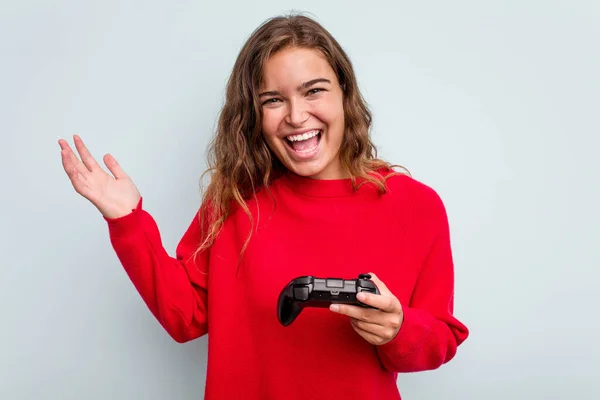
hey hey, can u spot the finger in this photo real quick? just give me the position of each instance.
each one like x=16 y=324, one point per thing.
x=76 y=171
x=374 y=334
x=383 y=289
x=387 y=303
x=114 y=167
x=368 y=336
x=86 y=157
x=364 y=314
x=64 y=145
x=371 y=338
x=65 y=153
x=78 y=180
x=70 y=161
x=373 y=329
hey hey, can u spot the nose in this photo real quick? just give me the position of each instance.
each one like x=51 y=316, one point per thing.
x=297 y=113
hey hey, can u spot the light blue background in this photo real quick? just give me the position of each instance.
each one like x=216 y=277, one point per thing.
x=493 y=103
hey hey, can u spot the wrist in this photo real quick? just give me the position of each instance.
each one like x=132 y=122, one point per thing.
x=114 y=213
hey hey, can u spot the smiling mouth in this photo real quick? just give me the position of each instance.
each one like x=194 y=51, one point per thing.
x=304 y=143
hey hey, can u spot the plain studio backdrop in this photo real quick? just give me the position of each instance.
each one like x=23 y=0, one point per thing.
x=495 y=104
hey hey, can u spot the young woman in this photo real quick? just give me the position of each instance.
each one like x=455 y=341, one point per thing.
x=296 y=189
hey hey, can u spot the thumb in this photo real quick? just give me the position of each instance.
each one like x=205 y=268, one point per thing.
x=114 y=167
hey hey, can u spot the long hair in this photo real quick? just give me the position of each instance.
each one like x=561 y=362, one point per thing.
x=239 y=158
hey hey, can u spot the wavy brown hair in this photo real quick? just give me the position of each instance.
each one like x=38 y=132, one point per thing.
x=239 y=159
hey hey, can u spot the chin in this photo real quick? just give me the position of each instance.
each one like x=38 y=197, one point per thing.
x=307 y=172
x=311 y=170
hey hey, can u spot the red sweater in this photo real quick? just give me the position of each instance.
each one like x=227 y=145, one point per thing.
x=318 y=228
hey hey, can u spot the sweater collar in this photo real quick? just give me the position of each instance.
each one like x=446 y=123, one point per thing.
x=318 y=187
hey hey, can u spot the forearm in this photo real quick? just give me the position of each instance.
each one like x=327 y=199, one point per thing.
x=422 y=343
x=162 y=281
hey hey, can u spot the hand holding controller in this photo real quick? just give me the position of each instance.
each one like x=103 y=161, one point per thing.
x=310 y=291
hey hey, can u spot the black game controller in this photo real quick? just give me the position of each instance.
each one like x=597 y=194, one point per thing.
x=309 y=291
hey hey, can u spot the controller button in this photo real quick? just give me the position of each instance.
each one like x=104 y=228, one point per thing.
x=303 y=280
x=368 y=285
x=335 y=283
x=301 y=293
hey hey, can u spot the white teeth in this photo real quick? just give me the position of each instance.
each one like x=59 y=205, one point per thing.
x=304 y=136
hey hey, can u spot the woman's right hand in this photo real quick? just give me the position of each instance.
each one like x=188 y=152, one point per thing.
x=114 y=196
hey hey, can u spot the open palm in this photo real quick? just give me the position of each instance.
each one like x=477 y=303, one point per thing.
x=113 y=195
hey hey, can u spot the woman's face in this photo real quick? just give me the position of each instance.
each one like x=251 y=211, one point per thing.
x=303 y=113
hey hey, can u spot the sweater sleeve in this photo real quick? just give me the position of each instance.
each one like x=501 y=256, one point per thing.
x=173 y=288
x=429 y=334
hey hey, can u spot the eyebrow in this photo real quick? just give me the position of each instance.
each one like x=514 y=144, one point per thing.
x=305 y=85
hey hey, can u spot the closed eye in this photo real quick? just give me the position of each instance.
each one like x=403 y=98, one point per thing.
x=270 y=101
x=315 y=91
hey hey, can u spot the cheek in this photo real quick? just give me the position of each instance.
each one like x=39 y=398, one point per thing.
x=330 y=113
x=269 y=125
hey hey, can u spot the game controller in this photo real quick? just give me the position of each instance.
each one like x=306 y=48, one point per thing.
x=309 y=291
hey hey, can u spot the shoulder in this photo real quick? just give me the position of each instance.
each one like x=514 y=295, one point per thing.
x=414 y=201
x=406 y=188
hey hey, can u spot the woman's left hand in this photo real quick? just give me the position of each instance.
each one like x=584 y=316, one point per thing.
x=375 y=326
